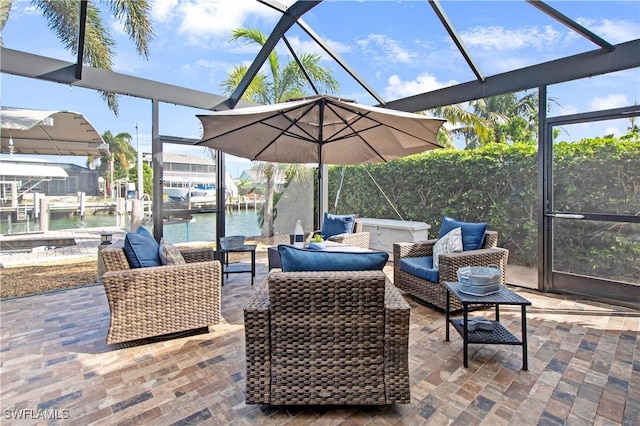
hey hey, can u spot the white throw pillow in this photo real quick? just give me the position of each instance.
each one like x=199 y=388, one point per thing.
x=450 y=243
x=169 y=253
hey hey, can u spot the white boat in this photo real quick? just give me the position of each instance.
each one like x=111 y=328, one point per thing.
x=195 y=194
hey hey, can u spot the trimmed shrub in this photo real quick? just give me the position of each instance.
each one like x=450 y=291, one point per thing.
x=498 y=184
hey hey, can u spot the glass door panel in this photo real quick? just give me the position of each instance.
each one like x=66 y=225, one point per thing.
x=594 y=213
x=607 y=250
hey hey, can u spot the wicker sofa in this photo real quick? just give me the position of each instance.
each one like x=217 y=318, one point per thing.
x=434 y=294
x=327 y=338
x=152 y=301
x=357 y=238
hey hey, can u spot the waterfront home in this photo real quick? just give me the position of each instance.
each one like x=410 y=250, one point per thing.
x=187 y=178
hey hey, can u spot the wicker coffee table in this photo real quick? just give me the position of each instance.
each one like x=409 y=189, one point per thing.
x=499 y=335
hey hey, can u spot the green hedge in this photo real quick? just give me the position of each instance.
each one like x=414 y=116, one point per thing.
x=498 y=184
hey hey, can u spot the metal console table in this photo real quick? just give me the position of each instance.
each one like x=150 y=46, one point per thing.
x=499 y=335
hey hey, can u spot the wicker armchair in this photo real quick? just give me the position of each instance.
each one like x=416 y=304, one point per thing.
x=147 y=302
x=357 y=238
x=327 y=338
x=434 y=294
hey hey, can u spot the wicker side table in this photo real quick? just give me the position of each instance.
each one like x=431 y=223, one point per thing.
x=499 y=335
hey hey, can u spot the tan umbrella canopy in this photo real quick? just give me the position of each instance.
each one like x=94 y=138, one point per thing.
x=29 y=131
x=320 y=129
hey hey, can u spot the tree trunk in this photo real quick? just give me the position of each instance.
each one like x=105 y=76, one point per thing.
x=267 y=226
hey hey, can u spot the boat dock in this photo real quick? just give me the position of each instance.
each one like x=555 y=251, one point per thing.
x=53 y=246
x=81 y=208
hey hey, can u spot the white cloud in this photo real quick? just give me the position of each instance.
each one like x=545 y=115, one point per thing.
x=161 y=10
x=117 y=27
x=206 y=21
x=23 y=7
x=32 y=10
x=502 y=63
x=560 y=110
x=128 y=63
x=613 y=131
x=212 y=66
x=215 y=71
x=397 y=88
x=385 y=48
x=498 y=38
x=202 y=63
x=310 y=46
x=613 y=31
x=608 y=102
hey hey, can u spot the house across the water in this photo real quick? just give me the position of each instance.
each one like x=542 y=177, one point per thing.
x=187 y=178
x=23 y=175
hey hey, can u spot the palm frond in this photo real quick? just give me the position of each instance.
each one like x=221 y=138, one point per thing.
x=320 y=75
x=63 y=17
x=5 y=10
x=135 y=16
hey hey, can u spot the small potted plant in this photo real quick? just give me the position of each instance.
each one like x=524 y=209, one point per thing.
x=317 y=242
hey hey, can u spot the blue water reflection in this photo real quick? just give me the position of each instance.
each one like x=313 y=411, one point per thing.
x=201 y=228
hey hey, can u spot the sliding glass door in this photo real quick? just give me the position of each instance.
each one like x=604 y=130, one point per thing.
x=592 y=209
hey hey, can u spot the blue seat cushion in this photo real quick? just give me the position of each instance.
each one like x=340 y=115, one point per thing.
x=335 y=224
x=297 y=259
x=141 y=249
x=421 y=267
x=472 y=233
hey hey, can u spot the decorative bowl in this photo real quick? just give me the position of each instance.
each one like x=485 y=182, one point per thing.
x=232 y=242
x=479 y=280
x=479 y=275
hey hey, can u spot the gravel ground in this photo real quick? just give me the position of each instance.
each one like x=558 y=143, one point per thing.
x=40 y=278
x=24 y=280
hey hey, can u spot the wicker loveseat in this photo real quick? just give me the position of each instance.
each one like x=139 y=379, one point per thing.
x=434 y=293
x=152 y=301
x=357 y=238
x=327 y=338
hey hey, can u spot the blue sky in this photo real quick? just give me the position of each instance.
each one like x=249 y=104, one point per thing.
x=399 y=48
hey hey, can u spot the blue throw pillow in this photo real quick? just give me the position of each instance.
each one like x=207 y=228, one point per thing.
x=335 y=224
x=144 y=231
x=472 y=233
x=296 y=259
x=141 y=249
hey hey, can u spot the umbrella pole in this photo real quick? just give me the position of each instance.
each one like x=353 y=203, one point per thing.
x=319 y=194
x=321 y=174
x=323 y=192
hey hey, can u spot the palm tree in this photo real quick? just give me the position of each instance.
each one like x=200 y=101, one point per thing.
x=123 y=155
x=270 y=171
x=457 y=114
x=63 y=17
x=513 y=118
x=283 y=83
x=504 y=118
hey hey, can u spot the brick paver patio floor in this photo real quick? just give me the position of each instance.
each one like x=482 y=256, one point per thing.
x=584 y=368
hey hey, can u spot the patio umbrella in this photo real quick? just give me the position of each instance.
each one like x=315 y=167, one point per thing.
x=319 y=129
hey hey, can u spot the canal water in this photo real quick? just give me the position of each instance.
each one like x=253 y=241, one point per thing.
x=201 y=228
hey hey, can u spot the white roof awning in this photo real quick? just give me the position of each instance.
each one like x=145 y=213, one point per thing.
x=15 y=170
x=29 y=131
